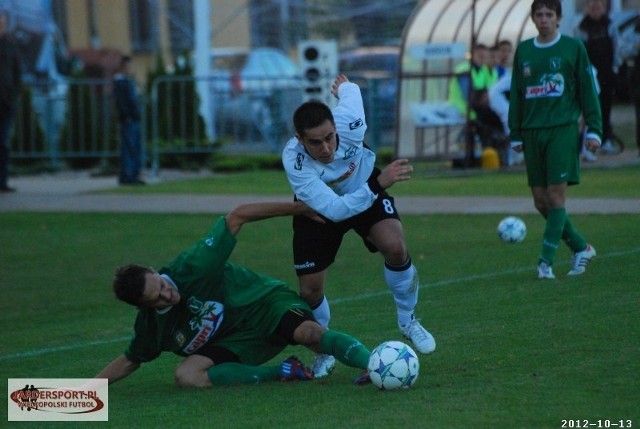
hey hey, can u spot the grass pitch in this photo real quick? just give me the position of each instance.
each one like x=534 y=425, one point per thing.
x=512 y=351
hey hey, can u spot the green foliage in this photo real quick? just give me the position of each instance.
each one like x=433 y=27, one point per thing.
x=513 y=351
x=181 y=128
x=234 y=163
x=595 y=183
x=90 y=123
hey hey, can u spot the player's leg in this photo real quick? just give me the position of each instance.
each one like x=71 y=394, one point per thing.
x=563 y=171
x=238 y=358
x=300 y=328
x=314 y=248
x=312 y=292
x=199 y=370
x=401 y=276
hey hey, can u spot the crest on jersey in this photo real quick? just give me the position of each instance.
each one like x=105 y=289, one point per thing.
x=350 y=152
x=180 y=338
x=356 y=124
x=298 y=163
x=555 y=63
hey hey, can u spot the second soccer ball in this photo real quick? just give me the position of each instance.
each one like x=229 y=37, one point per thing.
x=512 y=229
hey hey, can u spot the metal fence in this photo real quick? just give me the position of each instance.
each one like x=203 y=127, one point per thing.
x=74 y=123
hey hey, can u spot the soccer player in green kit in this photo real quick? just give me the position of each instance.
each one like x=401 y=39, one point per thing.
x=225 y=319
x=552 y=85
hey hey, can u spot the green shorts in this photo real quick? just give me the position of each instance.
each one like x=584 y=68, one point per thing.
x=249 y=331
x=552 y=155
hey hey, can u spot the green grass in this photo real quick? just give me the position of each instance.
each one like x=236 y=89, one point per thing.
x=512 y=351
x=427 y=180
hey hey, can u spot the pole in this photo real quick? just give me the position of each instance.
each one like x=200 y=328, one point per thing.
x=470 y=143
x=202 y=62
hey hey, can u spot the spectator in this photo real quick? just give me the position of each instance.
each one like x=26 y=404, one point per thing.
x=506 y=55
x=596 y=32
x=551 y=85
x=124 y=91
x=630 y=50
x=10 y=86
x=499 y=99
x=487 y=125
x=474 y=75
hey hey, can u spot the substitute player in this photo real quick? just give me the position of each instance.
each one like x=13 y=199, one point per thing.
x=331 y=170
x=225 y=319
x=552 y=84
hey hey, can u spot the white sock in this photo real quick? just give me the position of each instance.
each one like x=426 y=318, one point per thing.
x=404 y=284
x=322 y=313
x=405 y=317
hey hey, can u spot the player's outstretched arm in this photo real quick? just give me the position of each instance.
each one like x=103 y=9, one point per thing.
x=398 y=171
x=118 y=369
x=340 y=79
x=256 y=211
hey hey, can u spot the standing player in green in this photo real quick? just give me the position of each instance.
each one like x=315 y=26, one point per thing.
x=225 y=319
x=552 y=85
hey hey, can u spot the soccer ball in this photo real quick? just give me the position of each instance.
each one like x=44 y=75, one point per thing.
x=393 y=365
x=512 y=229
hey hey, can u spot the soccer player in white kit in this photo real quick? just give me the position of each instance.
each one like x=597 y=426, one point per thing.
x=331 y=170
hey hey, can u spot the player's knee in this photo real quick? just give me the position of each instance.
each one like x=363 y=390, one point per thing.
x=185 y=377
x=396 y=253
x=311 y=292
x=309 y=333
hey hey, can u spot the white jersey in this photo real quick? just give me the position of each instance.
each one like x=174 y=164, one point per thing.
x=337 y=190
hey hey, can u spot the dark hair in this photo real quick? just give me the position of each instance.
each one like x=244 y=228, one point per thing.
x=124 y=60
x=129 y=282
x=310 y=115
x=555 y=5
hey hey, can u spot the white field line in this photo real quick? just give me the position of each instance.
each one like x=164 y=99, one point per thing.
x=360 y=297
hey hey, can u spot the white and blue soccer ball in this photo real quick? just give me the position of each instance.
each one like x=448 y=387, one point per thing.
x=393 y=365
x=512 y=229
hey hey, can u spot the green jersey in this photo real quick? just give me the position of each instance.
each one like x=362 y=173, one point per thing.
x=551 y=86
x=208 y=284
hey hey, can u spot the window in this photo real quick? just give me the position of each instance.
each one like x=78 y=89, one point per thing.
x=144 y=25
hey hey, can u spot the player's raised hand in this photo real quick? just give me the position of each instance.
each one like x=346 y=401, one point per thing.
x=398 y=171
x=340 y=79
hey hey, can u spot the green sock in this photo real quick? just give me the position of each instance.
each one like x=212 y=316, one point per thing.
x=237 y=373
x=552 y=234
x=572 y=237
x=345 y=348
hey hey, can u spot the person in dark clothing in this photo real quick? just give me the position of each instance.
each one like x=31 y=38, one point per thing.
x=630 y=51
x=596 y=33
x=124 y=91
x=10 y=86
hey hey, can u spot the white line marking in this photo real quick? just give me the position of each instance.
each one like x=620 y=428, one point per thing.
x=360 y=297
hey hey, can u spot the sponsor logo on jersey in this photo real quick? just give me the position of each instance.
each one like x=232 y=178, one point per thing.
x=207 y=320
x=180 y=338
x=551 y=85
x=350 y=152
x=298 y=163
x=356 y=124
x=345 y=176
x=308 y=264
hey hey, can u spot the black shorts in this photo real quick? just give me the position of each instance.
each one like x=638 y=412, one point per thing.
x=315 y=245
